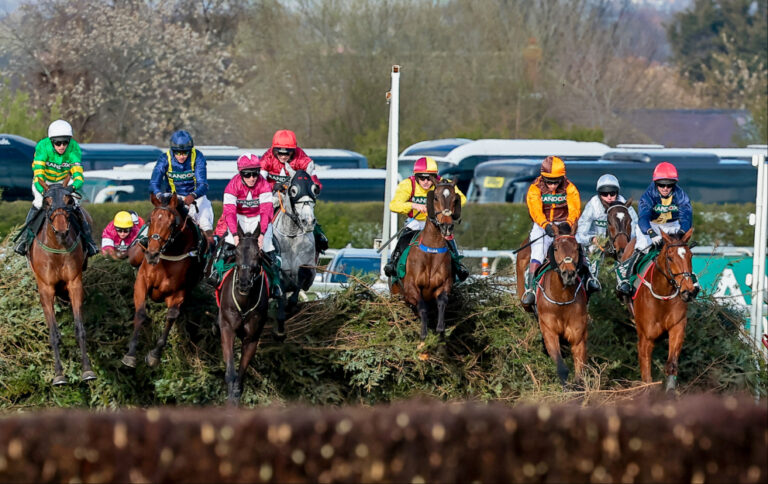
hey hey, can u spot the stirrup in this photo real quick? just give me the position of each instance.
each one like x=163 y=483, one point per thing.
x=624 y=288
x=389 y=269
x=528 y=297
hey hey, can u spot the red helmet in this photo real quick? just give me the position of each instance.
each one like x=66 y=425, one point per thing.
x=248 y=161
x=665 y=171
x=284 y=138
x=425 y=164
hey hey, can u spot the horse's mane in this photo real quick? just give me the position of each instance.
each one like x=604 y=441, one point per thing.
x=565 y=229
x=614 y=203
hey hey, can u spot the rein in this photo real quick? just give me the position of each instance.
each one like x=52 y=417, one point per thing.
x=172 y=238
x=566 y=260
x=667 y=273
x=234 y=296
x=58 y=251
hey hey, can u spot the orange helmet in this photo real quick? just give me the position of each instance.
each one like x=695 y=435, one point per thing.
x=552 y=167
x=425 y=164
x=284 y=138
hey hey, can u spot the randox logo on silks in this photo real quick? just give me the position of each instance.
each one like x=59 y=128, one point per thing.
x=181 y=175
x=249 y=203
x=553 y=198
x=279 y=178
x=421 y=200
x=601 y=223
x=665 y=208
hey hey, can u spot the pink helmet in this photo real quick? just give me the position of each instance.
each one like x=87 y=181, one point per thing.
x=248 y=161
x=665 y=171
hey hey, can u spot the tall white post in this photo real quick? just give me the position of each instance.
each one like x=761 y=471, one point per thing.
x=757 y=328
x=390 y=219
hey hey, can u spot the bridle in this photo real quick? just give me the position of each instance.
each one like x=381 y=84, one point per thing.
x=53 y=212
x=559 y=271
x=611 y=248
x=293 y=192
x=244 y=287
x=566 y=260
x=439 y=218
x=167 y=241
x=668 y=272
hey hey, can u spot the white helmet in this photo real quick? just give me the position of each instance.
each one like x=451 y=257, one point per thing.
x=608 y=183
x=59 y=128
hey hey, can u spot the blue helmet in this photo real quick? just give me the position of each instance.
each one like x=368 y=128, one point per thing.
x=181 y=141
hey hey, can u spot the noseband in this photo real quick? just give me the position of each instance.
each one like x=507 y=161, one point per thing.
x=446 y=228
x=566 y=260
x=668 y=272
x=611 y=249
x=165 y=243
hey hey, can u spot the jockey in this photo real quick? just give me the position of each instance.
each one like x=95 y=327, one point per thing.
x=664 y=207
x=182 y=170
x=56 y=157
x=120 y=233
x=248 y=203
x=551 y=198
x=281 y=161
x=593 y=221
x=410 y=200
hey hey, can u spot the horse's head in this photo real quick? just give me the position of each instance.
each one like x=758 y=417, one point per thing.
x=444 y=206
x=676 y=259
x=619 y=226
x=164 y=223
x=566 y=253
x=302 y=196
x=58 y=204
x=247 y=259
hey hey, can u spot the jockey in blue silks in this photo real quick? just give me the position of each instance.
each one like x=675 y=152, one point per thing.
x=182 y=170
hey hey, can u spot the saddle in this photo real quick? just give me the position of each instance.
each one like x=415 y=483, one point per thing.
x=414 y=242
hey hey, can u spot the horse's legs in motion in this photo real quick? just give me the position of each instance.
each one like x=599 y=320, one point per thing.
x=279 y=331
x=75 y=289
x=424 y=314
x=442 y=302
x=250 y=344
x=139 y=317
x=676 y=336
x=47 y=293
x=579 y=351
x=174 y=309
x=227 y=351
x=644 y=351
x=552 y=342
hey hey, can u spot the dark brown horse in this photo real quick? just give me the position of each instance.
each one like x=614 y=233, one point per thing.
x=561 y=301
x=428 y=274
x=243 y=298
x=661 y=303
x=173 y=264
x=57 y=257
x=619 y=228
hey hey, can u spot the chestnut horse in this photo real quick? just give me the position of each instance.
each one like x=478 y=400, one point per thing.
x=173 y=264
x=57 y=257
x=428 y=273
x=243 y=298
x=561 y=300
x=661 y=303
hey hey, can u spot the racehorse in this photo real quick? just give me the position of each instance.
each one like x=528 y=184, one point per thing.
x=57 y=257
x=561 y=300
x=293 y=227
x=661 y=303
x=428 y=273
x=243 y=298
x=173 y=264
x=619 y=228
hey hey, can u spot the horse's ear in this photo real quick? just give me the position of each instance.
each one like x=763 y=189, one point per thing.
x=431 y=204
x=173 y=201
x=457 y=206
x=628 y=203
x=556 y=228
x=574 y=227
x=240 y=232
x=629 y=249
x=687 y=235
x=667 y=239
x=155 y=201
x=43 y=184
x=65 y=181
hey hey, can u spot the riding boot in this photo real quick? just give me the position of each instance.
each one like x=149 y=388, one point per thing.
x=91 y=248
x=22 y=246
x=390 y=269
x=588 y=271
x=459 y=269
x=224 y=251
x=529 y=296
x=272 y=268
x=321 y=241
x=623 y=273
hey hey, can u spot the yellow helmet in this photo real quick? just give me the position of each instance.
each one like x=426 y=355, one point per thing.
x=123 y=220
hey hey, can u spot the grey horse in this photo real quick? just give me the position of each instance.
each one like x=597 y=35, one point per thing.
x=292 y=229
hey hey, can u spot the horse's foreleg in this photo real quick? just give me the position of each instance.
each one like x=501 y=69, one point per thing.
x=442 y=303
x=139 y=317
x=227 y=351
x=279 y=331
x=644 y=351
x=47 y=293
x=676 y=336
x=424 y=315
x=579 y=351
x=552 y=342
x=174 y=309
x=75 y=289
x=250 y=345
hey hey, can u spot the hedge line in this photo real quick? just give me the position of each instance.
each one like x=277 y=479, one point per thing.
x=496 y=226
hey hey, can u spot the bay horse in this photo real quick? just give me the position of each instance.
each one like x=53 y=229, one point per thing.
x=561 y=300
x=243 y=298
x=293 y=227
x=619 y=228
x=173 y=264
x=57 y=257
x=428 y=272
x=661 y=303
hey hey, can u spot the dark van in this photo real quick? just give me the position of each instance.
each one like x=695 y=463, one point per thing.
x=703 y=175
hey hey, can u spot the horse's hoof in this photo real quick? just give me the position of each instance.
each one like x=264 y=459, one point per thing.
x=88 y=376
x=129 y=361
x=152 y=360
x=59 y=380
x=278 y=335
x=671 y=384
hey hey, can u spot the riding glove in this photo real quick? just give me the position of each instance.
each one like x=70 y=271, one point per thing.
x=550 y=230
x=189 y=199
